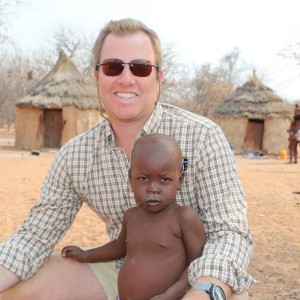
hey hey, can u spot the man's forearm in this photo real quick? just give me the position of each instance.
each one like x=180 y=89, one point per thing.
x=7 y=279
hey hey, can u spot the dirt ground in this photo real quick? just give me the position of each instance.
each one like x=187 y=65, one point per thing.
x=273 y=212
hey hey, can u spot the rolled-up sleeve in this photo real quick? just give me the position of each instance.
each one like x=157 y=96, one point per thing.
x=27 y=250
x=223 y=209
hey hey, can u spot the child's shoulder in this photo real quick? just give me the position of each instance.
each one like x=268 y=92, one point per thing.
x=187 y=212
x=132 y=211
x=189 y=218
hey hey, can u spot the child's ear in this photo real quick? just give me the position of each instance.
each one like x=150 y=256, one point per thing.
x=130 y=177
x=180 y=181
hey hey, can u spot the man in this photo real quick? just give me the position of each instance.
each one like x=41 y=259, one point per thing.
x=91 y=168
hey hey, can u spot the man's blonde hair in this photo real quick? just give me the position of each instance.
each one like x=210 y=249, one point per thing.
x=125 y=27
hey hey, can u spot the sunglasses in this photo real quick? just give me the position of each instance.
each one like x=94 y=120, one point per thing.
x=138 y=67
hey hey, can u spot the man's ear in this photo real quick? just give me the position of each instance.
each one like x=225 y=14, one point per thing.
x=96 y=75
x=161 y=75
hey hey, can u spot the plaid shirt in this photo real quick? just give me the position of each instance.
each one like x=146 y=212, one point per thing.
x=90 y=168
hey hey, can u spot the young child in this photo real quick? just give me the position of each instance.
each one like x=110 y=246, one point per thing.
x=294 y=139
x=159 y=238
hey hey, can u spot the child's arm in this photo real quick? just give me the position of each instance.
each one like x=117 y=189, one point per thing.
x=193 y=232
x=194 y=238
x=111 y=251
x=107 y=252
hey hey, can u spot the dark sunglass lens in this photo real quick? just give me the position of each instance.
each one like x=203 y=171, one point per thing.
x=112 y=68
x=141 y=67
x=141 y=70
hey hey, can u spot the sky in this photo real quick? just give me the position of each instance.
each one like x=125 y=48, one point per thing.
x=201 y=31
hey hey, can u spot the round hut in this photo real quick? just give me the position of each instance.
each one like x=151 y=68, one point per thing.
x=253 y=117
x=60 y=106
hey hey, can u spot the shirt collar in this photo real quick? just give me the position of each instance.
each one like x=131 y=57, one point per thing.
x=154 y=121
x=108 y=132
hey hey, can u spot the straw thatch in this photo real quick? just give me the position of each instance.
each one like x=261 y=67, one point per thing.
x=253 y=100
x=60 y=106
x=253 y=117
x=63 y=86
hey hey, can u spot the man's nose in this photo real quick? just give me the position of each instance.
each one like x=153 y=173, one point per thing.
x=126 y=77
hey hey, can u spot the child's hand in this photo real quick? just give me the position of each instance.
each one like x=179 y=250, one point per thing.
x=73 y=252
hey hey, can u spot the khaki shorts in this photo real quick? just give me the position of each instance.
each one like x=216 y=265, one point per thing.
x=107 y=274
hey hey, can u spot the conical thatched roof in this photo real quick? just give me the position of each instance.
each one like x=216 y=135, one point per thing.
x=253 y=100
x=63 y=86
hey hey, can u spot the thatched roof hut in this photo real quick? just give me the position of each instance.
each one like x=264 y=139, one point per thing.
x=253 y=117
x=60 y=106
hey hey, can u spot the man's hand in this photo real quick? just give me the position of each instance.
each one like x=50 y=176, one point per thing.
x=7 y=279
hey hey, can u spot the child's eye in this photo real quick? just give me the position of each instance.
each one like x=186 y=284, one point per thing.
x=164 y=180
x=143 y=178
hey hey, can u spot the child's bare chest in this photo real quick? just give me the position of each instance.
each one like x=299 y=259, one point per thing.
x=154 y=234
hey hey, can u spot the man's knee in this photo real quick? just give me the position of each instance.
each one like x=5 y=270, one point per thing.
x=244 y=296
x=59 y=279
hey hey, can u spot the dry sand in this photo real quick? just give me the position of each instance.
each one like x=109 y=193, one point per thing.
x=273 y=212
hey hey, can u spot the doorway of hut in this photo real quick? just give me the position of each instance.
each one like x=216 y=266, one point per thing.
x=53 y=125
x=254 y=134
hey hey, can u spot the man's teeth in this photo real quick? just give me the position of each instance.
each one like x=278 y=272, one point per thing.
x=125 y=95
